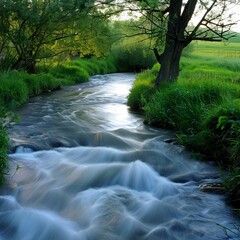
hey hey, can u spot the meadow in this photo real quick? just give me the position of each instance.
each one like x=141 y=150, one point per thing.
x=217 y=49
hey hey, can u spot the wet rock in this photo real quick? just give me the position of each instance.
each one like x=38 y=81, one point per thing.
x=212 y=187
x=170 y=140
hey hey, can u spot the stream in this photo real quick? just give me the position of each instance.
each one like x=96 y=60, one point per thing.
x=83 y=166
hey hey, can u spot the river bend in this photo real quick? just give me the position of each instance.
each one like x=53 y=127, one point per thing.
x=84 y=167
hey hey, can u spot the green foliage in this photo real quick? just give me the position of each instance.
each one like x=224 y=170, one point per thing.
x=13 y=90
x=225 y=125
x=40 y=83
x=235 y=39
x=142 y=90
x=202 y=144
x=3 y=144
x=98 y=65
x=133 y=57
x=181 y=106
x=71 y=73
x=201 y=105
x=80 y=69
x=34 y=30
x=232 y=185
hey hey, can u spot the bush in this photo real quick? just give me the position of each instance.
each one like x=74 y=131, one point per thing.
x=133 y=57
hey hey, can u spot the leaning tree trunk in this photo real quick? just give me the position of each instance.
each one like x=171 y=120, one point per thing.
x=170 y=61
x=175 y=40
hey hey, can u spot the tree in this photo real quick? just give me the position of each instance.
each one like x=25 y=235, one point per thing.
x=170 y=24
x=32 y=30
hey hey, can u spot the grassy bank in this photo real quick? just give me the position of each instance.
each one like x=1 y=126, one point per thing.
x=16 y=87
x=203 y=106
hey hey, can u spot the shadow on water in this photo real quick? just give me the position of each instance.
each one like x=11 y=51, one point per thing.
x=89 y=169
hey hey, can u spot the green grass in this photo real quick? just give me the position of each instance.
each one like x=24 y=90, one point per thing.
x=203 y=106
x=13 y=90
x=142 y=89
x=202 y=91
x=17 y=86
x=217 y=49
x=3 y=145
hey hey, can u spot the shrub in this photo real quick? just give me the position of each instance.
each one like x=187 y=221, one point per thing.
x=133 y=57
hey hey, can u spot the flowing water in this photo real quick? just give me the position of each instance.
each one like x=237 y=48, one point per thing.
x=84 y=167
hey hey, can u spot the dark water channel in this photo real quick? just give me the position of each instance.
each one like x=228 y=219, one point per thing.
x=89 y=169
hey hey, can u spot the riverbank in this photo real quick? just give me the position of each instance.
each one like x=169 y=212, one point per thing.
x=97 y=163
x=18 y=86
x=203 y=106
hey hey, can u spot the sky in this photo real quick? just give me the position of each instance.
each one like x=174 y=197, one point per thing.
x=234 y=9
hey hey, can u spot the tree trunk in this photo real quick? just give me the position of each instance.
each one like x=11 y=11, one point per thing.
x=27 y=63
x=170 y=60
x=30 y=66
x=175 y=40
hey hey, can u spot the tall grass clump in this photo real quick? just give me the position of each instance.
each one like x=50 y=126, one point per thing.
x=142 y=89
x=3 y=145
x=79 y=69
x=224 y=123
x=13 y=90
x=181 y=106
x=42 y=83
x=101 y=65
x=70 y=74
